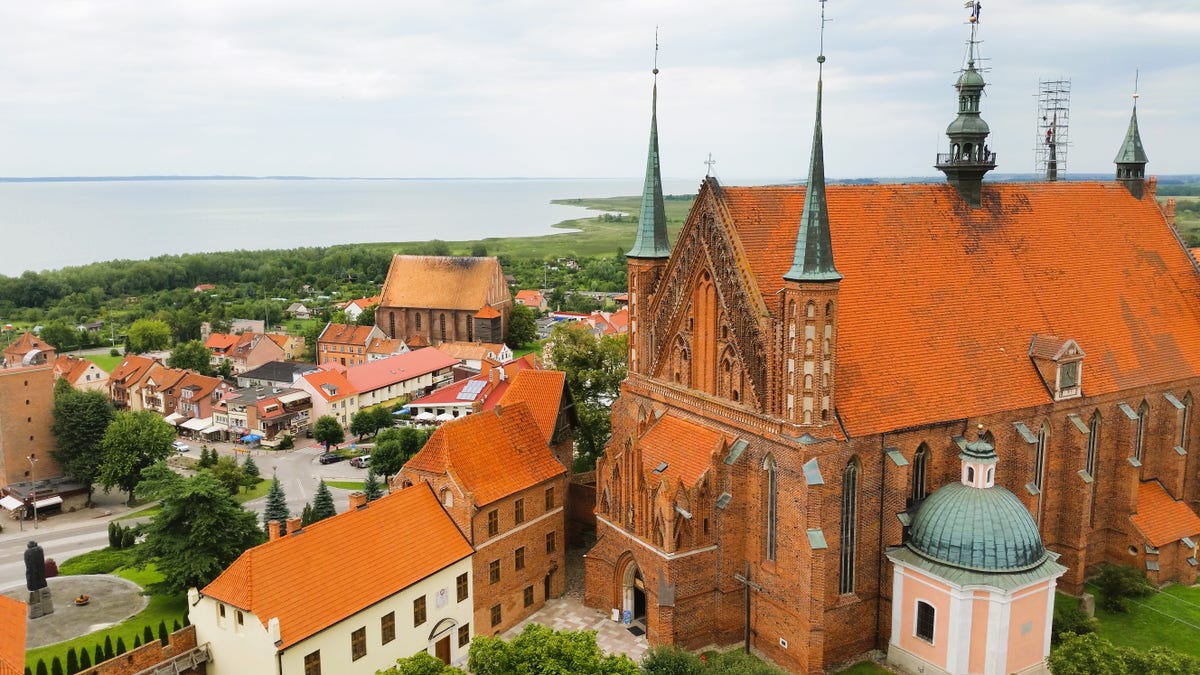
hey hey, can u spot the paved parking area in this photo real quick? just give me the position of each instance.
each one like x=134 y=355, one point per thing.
x=569 y=614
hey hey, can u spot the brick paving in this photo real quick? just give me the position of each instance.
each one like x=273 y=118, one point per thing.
x=566 y=613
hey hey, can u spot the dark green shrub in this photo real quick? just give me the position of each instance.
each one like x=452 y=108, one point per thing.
x=114 y=352
x=137 y=641
x=121 y=646
x=1069 y=618
x=147 y=634
x=286 y=443
x=41 y=667
x=176 y=627
x=99 y=655
x=56 y=667
x=108 y=648
x=72 y=661
x=163 y=637
x=1117 y=583
x=128 y=538
x=85 y=659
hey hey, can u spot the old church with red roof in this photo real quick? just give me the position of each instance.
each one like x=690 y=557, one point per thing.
x=808 y=363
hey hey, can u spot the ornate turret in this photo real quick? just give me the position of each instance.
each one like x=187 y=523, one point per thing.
x=969 y=157
x=810 y=296
x=651 y=251
x=1131 y=158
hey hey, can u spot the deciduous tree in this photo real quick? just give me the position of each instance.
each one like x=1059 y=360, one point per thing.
x=148 y=335
x=541 y=650
x=522 y=326
x=80 y=420
x=191 y=356
x=594 y=369
x=421 y=663
x=133 y=441
x=328 y=431
x=199 y=531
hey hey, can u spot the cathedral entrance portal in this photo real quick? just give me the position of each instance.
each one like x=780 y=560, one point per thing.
x=634 y=594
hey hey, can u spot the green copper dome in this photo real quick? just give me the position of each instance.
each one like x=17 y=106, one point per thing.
x=985 y=530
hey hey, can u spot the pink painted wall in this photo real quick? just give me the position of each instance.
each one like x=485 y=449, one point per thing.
x=1027 y=627
x=918 y=587
x=979 y=625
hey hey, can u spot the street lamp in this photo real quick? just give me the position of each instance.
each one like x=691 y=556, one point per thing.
x=33 y=488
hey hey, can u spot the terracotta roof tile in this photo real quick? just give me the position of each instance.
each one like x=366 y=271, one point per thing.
x=302 y=578
x=491 y=454
x=530 y=298
x=390 y=370
x=471 y=350
x=12 y=636
x=330 y=378
x=221 y=341
x=131 y=369
x=384 y=346
x=487 y=312
x=439 y=282
x=1162 y=519
x=939 y=302
x=346 y=334
x=686 y=448
x=542 y=391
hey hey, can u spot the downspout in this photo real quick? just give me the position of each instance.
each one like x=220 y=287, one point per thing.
x=879 y=571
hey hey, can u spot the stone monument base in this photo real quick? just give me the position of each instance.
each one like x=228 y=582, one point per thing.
x=40 y=603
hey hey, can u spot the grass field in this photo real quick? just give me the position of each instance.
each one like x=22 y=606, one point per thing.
x=344 y=484
x=1187 y=221
x=1170 y=618
x=165 y=608
x=107 y=363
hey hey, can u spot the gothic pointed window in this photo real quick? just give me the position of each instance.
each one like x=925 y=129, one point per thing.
x=1139 y=438
x=920 y=465
x=1093 y=442
x=1039 y=458
x=849 y=532
x=1185 y=417
x=442 y=324
x=417 y=321
x=771 y=500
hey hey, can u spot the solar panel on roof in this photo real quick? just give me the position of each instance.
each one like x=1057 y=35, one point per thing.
x=471 y=391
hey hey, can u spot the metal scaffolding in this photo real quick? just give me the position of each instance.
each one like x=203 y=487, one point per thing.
x=1053 y=128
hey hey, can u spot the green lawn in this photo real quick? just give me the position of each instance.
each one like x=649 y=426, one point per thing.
x=1170 y=618
x=344 y=484
x=164 y=608
x=107 y=363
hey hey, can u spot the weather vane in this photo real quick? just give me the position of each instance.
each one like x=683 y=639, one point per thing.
x=655 y=71
x=821 y=55
x=1136 y=73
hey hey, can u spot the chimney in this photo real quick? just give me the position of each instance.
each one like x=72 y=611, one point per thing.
x=1152 y=185
x=293 y=525
x=358 y=500
x=499 y=411
x=272 y=530
x=1169 y=211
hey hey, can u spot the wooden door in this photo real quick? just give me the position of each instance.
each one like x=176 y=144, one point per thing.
x=442 y=650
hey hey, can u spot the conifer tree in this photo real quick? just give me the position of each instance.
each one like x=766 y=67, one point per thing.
x=276 y=506
x=307 y=518
x=121 y=646
x=41 y=668
x=372 y=487
x=147 y=634
x=56 y=667
x=99 y=654
x=108 y=648
x=176 y=627
x=137 y=641
x=85 y=659
x=162 y=633
x=323 y=503
x=72 y=658
x=250 y=468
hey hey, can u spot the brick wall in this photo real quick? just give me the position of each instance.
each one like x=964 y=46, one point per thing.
x=149 y=655
x=581 y=511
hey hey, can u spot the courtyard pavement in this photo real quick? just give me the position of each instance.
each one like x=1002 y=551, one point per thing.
x=566 y=613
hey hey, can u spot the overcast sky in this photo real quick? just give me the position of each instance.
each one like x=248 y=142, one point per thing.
x=559 y=88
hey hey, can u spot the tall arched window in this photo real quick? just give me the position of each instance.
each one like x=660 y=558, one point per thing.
x=1039 y=458
x=920 y=461
x=772 y=496
x=417 y=321
x=1185 y=416
x=1139 y=439
x=442 y=324
x=1093 y=443
x=849 y=526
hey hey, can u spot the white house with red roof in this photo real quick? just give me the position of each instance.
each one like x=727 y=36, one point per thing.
x=342 y=391
x=531 y=298
x=356 y=307
x=316 y=600
x=81 y=373
x=470 y=395
x=331 y=394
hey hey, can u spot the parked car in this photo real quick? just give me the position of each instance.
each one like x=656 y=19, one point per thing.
x=362 y=461
x=330 y=457
x=181 y=447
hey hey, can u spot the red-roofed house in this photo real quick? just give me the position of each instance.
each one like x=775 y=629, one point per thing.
x=355 y=308
x=30 y=350
x=496 y=477
x=533 y=299
x=292 y=345
x=1171 y=529
x=81 y=373
x=317 y=600
x=244 y=351
x=403 y=375
x=473 y=354
x=331 y=394
x=124 y=380
x=470 y=395
x=346 y=344
x=12 y=636
x=444 y=298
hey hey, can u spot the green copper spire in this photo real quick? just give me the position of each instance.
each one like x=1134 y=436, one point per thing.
x=651 y=239
x=969 y=157
x=1131 y=158
x=813 y=259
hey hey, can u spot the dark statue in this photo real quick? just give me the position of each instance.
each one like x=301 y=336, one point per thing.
x=35 y=567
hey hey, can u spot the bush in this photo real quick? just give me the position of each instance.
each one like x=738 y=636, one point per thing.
x=114 y=352
x=286 y=443
x=1118 y=583
x=1069 y=618
x=666 y=660
x=737 y=662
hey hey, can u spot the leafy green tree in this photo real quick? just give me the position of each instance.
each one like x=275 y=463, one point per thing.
x=225 y=370
x=479 y=250
x=388 y=455
x=63 y=337
x=668 y=660
x=594 y=369
x=229 y=473
x=421 y=663
x=328 y=431
x=62 y=387
x=522 y=326
x=306 y=516
x=383 y=418
x=367 y=317
x=362 y=423
x=1086 y=655
x=199 y=531
x=541 y=650
x=147 y=335
x=132 y=442
x=81 y=419
x=1120 y=582
x=323 y=503
x=738 y=662
x=276 y=508
x=191 y=355
x=372 y=487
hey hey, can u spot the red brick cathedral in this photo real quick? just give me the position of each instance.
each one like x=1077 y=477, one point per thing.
x=806 y=365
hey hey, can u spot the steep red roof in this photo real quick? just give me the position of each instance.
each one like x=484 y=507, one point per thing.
x=530 y=298
x=348 y=334
x=12 y=636
x=939 y=302
x=471 y=351
x=221 y=342
x=323 y=378
x=1162 y=519
x=542 y=391
x=491 y=454
x=392 y=369
x=131 y=369
x=443 y=282
x=302 y=578
x=71 y=367
x=686 y=448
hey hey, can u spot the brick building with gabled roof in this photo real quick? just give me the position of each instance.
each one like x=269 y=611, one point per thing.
x=840 y=342
x=30 y=350
x=496 y=476
x=294 y=604
x=444 y=298
x=123 y=380
x=346 y=344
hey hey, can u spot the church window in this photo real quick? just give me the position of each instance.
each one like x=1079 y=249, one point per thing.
x=417 y=321
x=442 y=324
x=392 y=324
x=920 y=465
x=772 y=502
x=925 y=620
x=1139 y=438
x=1185 y=416
x=828 y=310
x=470 y=330
x=808 y=417
x=811 y=310
x=849 y=526
x=1039 y=457
x=736 y=396
x=971 y=475
x=1093 y=442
